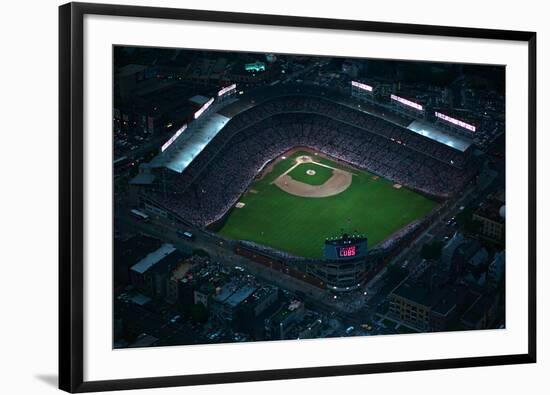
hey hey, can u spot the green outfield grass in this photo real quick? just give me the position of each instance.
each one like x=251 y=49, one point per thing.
x=300 y=225
x=322 y=174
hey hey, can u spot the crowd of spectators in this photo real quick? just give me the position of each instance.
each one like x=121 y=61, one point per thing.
x=215 y=180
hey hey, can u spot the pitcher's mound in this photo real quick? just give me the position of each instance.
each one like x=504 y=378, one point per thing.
x=310 y=172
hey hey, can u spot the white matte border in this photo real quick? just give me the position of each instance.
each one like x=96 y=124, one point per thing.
x=101 y=362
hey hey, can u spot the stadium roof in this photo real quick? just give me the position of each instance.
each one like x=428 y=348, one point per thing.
x=430 y=131
x=190 y=143
x=153 y=258
x=199 y=99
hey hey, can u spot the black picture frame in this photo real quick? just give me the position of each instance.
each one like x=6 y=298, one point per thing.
x=71 y=204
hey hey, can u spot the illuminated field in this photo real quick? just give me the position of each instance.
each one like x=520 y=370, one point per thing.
x=299 y=225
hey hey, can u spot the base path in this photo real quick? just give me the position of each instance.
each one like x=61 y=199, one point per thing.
x=338 y=183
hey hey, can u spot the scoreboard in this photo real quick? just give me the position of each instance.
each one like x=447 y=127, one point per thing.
x=347 y=252
x=346 y=247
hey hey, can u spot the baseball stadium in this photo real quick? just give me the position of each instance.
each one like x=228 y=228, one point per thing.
x=282 y=172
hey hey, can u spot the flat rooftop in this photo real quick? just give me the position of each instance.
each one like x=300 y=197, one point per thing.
x=226 y=291
x=240 y=295
x=432 y=132
x=143 y=179
x=151 y=259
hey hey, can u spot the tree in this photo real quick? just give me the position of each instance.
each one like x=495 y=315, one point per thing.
x=201 y=252
x=466 y=221
x=432 y=251
x=395 y=274
x=199 y=313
